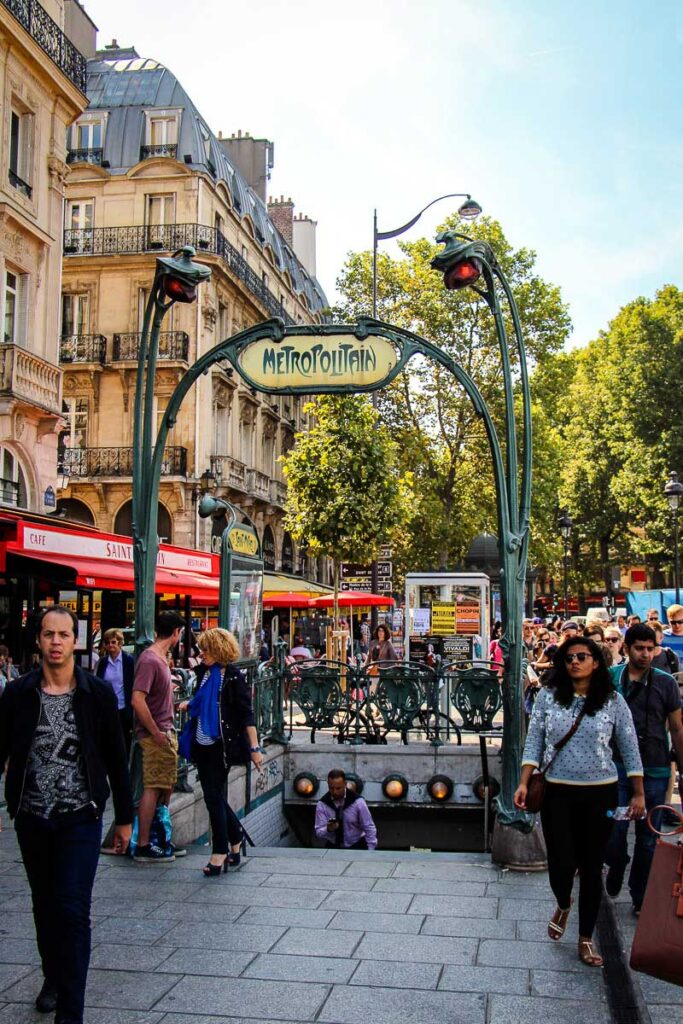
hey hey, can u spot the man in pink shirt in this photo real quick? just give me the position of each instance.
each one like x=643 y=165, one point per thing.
x=342 y=818
x=152 y=703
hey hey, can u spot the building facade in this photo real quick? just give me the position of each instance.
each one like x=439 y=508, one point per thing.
x=42 y=91
x=146 y=177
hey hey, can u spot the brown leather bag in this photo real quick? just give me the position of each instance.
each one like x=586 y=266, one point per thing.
x=535 y=791
x=658 y=943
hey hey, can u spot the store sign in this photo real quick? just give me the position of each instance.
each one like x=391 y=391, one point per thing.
x=243 y=541
x=325 y=361
x=38 y=539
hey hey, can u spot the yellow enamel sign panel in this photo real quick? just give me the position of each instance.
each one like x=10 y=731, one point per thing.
x=243 y=542
x=310 y=361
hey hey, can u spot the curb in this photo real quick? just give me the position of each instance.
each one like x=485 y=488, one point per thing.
x=625 y=998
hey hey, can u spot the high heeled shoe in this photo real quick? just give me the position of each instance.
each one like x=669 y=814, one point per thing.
x=213 y=870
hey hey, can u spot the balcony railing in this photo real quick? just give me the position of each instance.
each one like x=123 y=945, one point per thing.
x=17 y=182
x=229 y=472
x=173 y=345
x=168 y=238
x=258 y=484
x=47 y=33
x=162 y=149
x=9 y=492
x=278 y=493
x=85 y=156
x=26 y=376
x=83 y=348
x=87 y=462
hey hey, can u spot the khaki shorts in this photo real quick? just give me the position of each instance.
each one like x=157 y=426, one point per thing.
x=159 y=764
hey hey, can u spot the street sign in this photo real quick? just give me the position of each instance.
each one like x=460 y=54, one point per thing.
x=354 y=569
x=385 y=569
x=385 y=551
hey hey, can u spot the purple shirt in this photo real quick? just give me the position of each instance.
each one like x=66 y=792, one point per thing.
x=358 y=823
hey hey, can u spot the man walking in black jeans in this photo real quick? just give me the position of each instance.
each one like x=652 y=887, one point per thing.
x=61 y=739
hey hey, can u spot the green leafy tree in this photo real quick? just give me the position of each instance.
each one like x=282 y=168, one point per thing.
x=441 y=439
x=345 y=492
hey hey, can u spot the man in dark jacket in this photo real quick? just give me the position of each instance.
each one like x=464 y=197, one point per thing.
x=118 y=669
x=61 y=741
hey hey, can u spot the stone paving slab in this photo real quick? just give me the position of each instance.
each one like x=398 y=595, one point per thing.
x=507 y=980
x=288 y=916
x=281 y=1000
x=129 y=931
x=112 y=957
x=457 y=906
x=222 y=912
x=426 y=949
x=373 y=902
x=282 y=967
x=556 y=956
x=356 y=1005
x=261 y=897
x=216 y=963
x=468 y=927
x=583 y=985
x=313 y=942
x=388 y=974
x=404 y=924
x=213 y=935
x=11 y=973
x=429 y=887
x=342 y=883
x=509 y=1009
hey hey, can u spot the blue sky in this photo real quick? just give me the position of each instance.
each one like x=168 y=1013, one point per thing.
x=562 y=118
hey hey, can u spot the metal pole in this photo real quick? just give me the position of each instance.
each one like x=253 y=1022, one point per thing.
x=677 y=567
x=374 y=271
x=566 y=571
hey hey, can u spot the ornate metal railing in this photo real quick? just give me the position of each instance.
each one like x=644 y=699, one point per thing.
x=162 y=149
x=170 y=237
x=47 y=33
x=9 y=492
x=258 y=484
x=25 y=375
x=229 y=472
x=88 y=462
x=18 y=182
x=83 y=348
x=86 y=156
x=173 y=345
x=394 y=700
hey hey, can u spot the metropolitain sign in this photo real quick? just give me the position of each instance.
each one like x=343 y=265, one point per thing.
x=313 y=362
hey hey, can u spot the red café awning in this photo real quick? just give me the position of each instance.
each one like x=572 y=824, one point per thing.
x=353 y=598
x=98 y=574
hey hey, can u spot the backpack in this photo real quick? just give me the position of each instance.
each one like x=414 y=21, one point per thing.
x=672 y=660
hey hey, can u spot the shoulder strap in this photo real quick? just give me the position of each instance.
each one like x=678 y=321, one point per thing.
x=566 y=738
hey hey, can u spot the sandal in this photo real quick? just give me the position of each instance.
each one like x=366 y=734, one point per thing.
x=588 y=954
x=558 y=923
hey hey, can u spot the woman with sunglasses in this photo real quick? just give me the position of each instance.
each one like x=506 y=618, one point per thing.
x=614 y=642
x=582 y=780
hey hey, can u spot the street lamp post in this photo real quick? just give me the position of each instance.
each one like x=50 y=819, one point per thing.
x=175 y=280
x=565 y=524
x=469 y=210
x=673 y=491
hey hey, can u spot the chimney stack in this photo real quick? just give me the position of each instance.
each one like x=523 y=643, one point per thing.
x=281 y=212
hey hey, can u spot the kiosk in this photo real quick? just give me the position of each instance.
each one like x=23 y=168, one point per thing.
x=447 y=617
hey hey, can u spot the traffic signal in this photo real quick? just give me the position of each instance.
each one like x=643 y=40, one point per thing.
x=178 y=290
x=462 y=274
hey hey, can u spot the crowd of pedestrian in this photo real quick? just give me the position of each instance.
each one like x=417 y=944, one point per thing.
x=605 y=729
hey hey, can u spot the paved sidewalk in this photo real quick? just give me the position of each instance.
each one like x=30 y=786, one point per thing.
x=312 y=935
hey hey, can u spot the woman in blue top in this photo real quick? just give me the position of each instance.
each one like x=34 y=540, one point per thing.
x=225 y=736
x=582 y=781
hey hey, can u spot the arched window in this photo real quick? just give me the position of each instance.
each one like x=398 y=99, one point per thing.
x=287 y=554
x=268 y=549
x=123 y=523
x=13 y=484
x=75 y=510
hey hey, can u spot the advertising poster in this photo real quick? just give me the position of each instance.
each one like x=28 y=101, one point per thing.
x=425 y=650
x=421 y=621
x=443 y=618
x=457 y=648
x=467 y=618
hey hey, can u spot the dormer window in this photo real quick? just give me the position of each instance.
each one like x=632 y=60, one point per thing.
x=161 y=134
x=87 y=140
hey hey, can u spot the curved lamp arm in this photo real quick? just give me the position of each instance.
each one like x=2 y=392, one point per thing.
x=380 y=235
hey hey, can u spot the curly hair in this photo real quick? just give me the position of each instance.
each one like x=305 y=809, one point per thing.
x=220 y=645
x=601 y=687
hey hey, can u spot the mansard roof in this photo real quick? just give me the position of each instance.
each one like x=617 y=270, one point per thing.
x=128 y=87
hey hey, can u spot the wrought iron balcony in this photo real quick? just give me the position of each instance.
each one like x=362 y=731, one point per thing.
x=18 y=183
x=258 y=484
x=278 y=493
x=88 y=462
x=168 y=238
x=27 y=377
x=85 y=156
x=162 y=149
x=83 y=348
x=229 y=472
x=173 y=345
x=47 y=33
x=9 y=492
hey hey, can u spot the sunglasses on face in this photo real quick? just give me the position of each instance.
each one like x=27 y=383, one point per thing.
x=579 y=656
x=676 y=622
x=612 y=639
